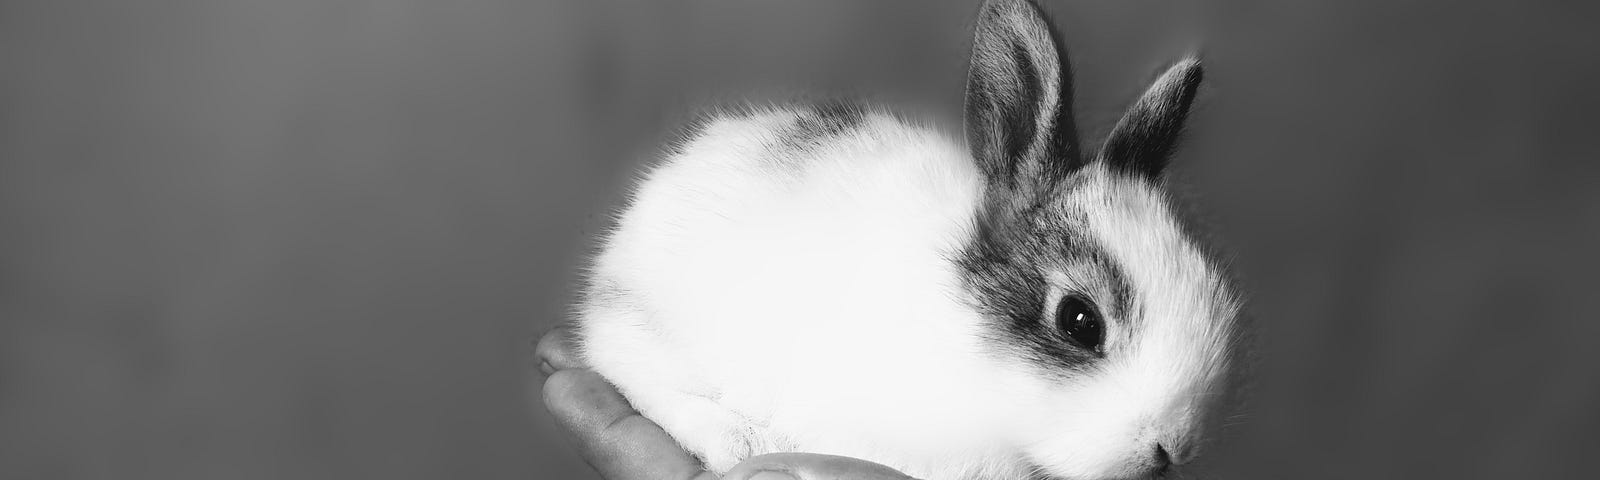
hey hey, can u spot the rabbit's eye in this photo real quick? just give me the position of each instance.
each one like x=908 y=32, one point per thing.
x=1078 y=321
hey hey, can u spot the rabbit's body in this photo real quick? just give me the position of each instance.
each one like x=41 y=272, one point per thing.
x=832 y=280
x=737 y=351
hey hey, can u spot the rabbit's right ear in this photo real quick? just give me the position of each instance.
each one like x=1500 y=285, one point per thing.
x=1019 y=98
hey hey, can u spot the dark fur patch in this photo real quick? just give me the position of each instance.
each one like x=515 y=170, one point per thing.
x=816 y=125
x=1145 y=138
x=1005 y=267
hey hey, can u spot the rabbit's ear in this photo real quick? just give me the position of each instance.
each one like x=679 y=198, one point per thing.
x=1146 y=136
x=1019 y=98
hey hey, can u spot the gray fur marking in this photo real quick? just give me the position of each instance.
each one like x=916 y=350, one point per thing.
x=814 y=127
x=1005 y=267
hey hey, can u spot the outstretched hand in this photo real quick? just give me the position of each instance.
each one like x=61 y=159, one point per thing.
x=623 y=445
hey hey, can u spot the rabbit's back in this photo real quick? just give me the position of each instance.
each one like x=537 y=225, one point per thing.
x=771 y=237
x=760 y=210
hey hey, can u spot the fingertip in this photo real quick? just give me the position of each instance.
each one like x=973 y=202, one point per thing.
x=558 y=390
x=771 y=462
x=810 y=466
x=772 y=475
x=580 y=398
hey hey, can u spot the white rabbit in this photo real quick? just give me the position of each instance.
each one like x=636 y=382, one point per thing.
x=833 y=279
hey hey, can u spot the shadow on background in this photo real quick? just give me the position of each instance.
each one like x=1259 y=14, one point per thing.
x=310 y=239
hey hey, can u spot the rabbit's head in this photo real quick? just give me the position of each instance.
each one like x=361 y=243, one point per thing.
x=1121 y=327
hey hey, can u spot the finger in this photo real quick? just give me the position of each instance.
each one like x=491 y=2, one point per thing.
x=556 y=350
x=811 y=466
x=611 y=435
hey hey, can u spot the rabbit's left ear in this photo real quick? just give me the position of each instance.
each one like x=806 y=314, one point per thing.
x=1148 y=133
x=1019 y=98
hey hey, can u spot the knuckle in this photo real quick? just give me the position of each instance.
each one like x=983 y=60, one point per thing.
x=556 y=348
x=549 y=343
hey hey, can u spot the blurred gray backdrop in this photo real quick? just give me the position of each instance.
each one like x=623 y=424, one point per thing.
x=311 y=239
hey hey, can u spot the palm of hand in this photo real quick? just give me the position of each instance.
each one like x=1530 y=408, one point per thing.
x=623 y=445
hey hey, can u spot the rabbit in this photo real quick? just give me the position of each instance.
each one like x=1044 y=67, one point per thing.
x=832 y=278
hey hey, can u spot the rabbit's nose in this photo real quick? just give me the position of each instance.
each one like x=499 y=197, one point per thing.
x=1176 y=453
x=1155 y=464
x=1162 y=461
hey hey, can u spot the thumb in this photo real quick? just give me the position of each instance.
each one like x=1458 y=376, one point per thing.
x=811 y=466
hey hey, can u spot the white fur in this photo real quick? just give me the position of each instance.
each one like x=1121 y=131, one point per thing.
x=753 y=303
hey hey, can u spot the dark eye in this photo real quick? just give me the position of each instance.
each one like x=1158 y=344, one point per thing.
x=1078 y=321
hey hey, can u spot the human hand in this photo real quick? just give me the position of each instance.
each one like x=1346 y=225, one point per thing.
x=623 y=445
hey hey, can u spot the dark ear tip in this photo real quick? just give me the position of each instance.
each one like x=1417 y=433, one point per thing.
x=1186 y=75
x=1191 y=69
x=1148 y=133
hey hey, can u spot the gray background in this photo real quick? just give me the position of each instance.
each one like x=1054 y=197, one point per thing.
x=311 y=238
